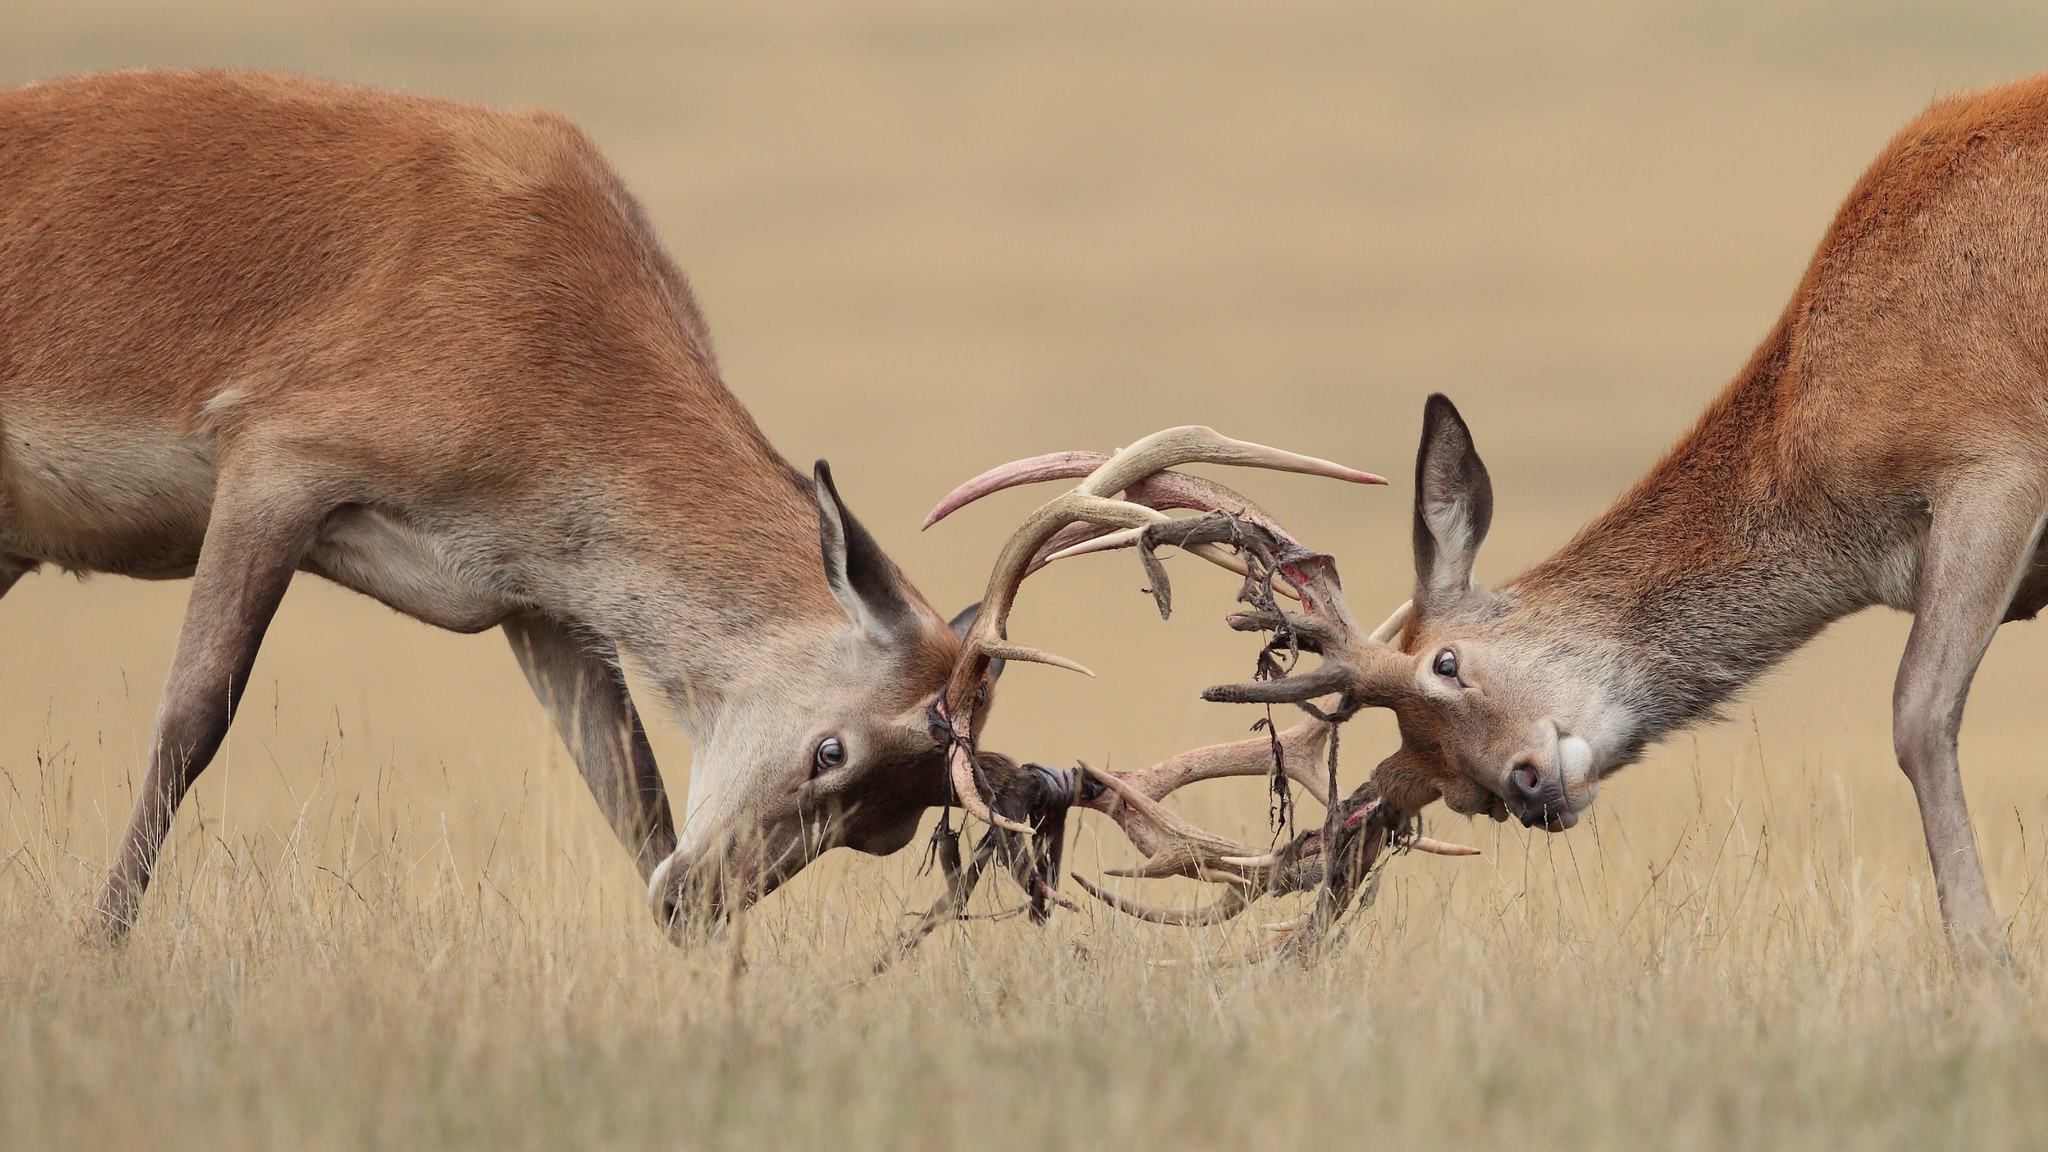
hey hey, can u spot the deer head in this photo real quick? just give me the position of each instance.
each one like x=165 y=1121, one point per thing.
x=1507 y=705
x=829 y=745
x=1516 y=707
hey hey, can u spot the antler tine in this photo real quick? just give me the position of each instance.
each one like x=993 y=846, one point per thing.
x=1439 y=847
x=1065 y=538
x=1394 y=625
x=987 y=638
x=1033 y=470
x=1195 y=444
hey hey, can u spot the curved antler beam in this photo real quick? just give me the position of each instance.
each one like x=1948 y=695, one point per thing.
x=1218 y=911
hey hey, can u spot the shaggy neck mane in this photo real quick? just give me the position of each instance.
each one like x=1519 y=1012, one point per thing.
x=1718 y=563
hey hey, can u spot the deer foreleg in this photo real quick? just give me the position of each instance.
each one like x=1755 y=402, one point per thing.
x=254 y=541
x=1976 y=552
x=579 y=682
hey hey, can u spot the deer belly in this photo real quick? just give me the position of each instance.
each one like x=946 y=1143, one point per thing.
x=383 y=556
x=132 y=503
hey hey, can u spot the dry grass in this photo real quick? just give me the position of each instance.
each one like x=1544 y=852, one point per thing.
x=930 y=236
x=365 y=978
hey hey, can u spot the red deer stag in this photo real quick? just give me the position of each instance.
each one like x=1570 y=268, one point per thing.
x=1886 y=444
x=252 y=325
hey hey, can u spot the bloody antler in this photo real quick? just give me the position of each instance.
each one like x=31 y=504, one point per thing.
x=1357 y=670
x=1135 y=471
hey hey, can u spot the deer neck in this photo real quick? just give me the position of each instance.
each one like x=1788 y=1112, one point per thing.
x=700 y=561
x=1732 y=552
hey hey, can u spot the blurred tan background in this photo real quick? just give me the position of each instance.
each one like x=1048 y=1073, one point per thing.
x=931 y=237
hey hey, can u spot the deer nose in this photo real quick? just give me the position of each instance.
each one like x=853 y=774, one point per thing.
x=688 y=897
x=1535 y=796
x=1527 y=781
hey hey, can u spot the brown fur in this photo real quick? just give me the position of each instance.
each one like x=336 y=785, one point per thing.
x=1886 y=444
x=251 y=323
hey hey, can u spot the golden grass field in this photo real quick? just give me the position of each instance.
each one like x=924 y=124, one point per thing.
x=931 y=237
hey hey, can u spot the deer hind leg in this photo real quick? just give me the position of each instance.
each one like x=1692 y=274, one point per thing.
x=577 y=677
x=1979 y=548
x=253 y=543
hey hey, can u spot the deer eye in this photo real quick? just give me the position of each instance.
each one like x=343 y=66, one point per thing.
x=1446 y=666
x=830 y=754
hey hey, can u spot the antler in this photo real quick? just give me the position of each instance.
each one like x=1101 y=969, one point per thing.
x=1357 y=670
x=1175 y=847
x=1140 y=473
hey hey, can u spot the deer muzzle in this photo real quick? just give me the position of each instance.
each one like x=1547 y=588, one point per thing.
x=1550 y=782
x=689 y=894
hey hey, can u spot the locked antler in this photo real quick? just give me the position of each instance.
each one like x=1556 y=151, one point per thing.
x=1357 y=670
x=1140 y=473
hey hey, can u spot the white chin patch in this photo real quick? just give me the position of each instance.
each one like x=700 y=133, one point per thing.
x=658 y=881
x=1575 y=769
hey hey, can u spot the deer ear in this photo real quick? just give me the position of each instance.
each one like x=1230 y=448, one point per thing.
x=965 y=620
x=863 y=578
x=1453 y=507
